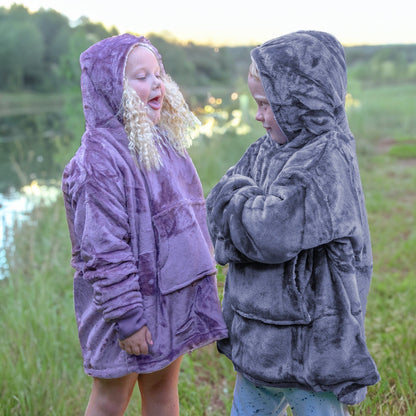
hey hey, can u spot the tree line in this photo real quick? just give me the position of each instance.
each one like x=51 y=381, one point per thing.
x=40 y=52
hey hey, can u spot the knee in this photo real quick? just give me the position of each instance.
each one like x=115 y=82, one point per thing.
x=163 y=391
x=113 y=407
x=110 y=397
x=163 y=383
x=160 y=397
x=105 y=405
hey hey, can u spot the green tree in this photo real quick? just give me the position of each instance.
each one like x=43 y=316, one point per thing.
x=175 y=59
x=21 y=52
x=56 y=33
x=94 y=31
x=83 y=35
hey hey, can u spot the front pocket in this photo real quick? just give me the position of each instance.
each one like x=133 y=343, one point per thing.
x=267 y=293
x=184 y=254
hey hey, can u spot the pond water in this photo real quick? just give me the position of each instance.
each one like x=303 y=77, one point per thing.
x=15 y=207
x=33 y=151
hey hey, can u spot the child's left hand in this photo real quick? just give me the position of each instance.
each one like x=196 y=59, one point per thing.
x=138 y=343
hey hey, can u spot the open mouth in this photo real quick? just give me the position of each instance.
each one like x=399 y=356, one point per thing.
x=155 y=103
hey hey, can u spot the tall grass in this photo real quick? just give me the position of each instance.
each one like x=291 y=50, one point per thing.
x=41 y=366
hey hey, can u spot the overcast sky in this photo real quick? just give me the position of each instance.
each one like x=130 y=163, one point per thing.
x=222 y=22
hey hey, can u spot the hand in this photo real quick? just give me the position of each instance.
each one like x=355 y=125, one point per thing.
x=138 y=343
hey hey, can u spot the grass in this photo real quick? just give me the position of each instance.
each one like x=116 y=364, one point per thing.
x=391 y=311
x=41 y=363
x=42 y=371
x=404 y=150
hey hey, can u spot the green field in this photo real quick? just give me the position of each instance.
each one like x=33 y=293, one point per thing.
x=41 y=367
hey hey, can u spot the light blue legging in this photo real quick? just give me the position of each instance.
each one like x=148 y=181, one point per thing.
x=250 y=400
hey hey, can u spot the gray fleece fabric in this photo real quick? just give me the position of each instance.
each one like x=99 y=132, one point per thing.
x=290 y=220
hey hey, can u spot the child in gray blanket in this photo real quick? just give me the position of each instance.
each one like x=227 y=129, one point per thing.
x=290 y=220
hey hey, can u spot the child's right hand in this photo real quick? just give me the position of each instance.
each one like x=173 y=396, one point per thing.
x=138 y=343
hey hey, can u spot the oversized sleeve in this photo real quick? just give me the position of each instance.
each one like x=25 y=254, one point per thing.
x=310 y=203
x=100 y=234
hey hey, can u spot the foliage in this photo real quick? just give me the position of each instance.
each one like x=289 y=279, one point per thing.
x=21 y=51
x=381 y=64
x=32 y=46
x=40 y=51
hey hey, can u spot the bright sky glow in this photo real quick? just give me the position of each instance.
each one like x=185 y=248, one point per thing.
x=230 y=22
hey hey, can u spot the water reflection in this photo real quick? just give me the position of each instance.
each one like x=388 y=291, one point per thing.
x=15 y=208
x=34 y=146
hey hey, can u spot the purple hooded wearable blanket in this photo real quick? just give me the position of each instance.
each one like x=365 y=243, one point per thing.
x=140 y=245
x=290 y=220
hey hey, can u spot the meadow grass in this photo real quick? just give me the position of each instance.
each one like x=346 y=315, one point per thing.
x=41 y=365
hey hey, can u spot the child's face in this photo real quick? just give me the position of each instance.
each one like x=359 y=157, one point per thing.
x=144 y=76
x=264 y=111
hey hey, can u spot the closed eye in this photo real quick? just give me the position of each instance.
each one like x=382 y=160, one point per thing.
x=145 y=76
x=262 y=103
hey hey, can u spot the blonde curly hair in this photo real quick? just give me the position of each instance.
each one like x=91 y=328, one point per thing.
x=175 y=125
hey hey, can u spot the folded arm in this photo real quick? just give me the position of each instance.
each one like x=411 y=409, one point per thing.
x=268 y=228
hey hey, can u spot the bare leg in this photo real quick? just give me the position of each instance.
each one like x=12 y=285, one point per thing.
x=110 y=397
x=159 y=391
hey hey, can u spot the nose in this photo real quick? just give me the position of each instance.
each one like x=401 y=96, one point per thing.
x=156 y=82
x=259 y=116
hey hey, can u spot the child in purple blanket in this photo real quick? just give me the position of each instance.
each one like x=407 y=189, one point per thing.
x=145 y=280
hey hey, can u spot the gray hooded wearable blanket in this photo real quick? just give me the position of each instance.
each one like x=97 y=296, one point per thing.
x=290 y=221
x=140 y=245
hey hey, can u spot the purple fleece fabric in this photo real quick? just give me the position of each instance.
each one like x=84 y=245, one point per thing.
x=140 y=245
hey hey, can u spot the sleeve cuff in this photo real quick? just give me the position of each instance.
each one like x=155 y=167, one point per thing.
x=130 y=324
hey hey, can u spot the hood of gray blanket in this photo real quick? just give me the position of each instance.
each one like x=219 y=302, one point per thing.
x=305 y=80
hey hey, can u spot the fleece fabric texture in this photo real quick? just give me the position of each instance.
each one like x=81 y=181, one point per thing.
x=140 y=245
x=290 y=220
